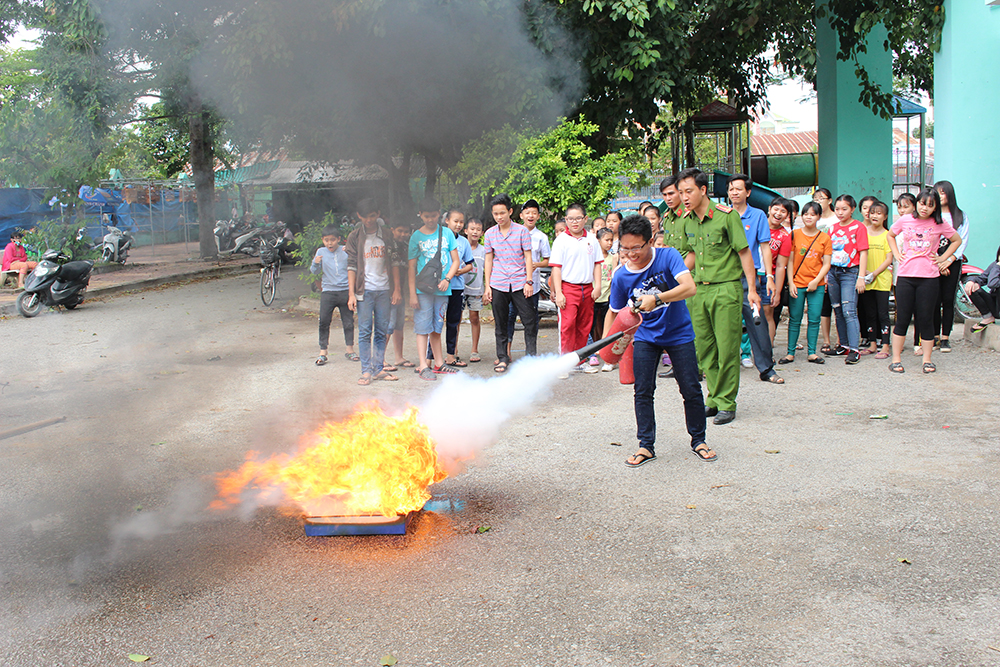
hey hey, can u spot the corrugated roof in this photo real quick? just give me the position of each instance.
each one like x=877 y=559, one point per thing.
x=304 y=171
x=905 y=107
x=784 y=143
x=719 y=112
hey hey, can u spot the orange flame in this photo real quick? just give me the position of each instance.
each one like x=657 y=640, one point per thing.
x=370 y=463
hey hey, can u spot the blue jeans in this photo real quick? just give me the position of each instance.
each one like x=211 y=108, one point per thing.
x=645 y=362
x=842 y=284
x=373 y=317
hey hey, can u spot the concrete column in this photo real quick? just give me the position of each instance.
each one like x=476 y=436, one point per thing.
x=966 y=132
x=855 y=145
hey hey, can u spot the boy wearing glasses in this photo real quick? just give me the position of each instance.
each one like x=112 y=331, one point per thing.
x=655 y=281
x=576 y=276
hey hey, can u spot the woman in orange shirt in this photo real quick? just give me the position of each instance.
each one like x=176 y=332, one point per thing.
x=811 y=251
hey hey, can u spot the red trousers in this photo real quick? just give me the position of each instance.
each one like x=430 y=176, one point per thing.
x=577 y=318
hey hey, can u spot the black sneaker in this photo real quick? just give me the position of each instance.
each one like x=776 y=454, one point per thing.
x=839 y=351
x=945 y=345
x=853 y=357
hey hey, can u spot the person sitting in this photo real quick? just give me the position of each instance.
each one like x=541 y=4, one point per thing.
x=984 y=291
x=15 y=258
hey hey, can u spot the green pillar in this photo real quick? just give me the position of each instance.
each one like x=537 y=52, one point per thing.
x=855 y=145
x=966 y=133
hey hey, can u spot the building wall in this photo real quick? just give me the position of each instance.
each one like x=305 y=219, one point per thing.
x=966 y=127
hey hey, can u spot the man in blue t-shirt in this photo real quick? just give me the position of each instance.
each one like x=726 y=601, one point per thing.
x=655 y=281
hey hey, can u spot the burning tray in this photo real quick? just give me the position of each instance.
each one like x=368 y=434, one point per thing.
x=322 y=526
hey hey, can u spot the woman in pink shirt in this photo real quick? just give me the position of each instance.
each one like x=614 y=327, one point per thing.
x=16 y=259
x=914 y=243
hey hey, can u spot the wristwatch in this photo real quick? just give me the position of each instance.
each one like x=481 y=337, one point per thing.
x=658 y=301
x=529 y=282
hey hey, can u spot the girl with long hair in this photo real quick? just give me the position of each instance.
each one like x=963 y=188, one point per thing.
x=944 y=315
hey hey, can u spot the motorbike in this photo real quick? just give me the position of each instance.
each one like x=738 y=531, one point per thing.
x=56 y=281
x=964 y=308
x=233 y=236
x=116 y=245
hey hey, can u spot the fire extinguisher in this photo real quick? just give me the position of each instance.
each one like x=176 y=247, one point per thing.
x=627 y=321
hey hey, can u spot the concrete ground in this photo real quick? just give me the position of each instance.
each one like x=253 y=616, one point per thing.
x=820 y=537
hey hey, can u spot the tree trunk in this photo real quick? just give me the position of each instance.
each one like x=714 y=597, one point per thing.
x=399 y=185
x=430 y=169
x=203 y=171
x=689 y=157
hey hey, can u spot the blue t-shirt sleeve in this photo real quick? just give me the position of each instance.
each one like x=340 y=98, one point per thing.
x=466 y=251
x=414 y=249
x=675 y=263
x=618 y=297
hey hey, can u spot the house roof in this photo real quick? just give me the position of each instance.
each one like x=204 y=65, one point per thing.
x=905 y=107
x=718 y=113
x=784 y=143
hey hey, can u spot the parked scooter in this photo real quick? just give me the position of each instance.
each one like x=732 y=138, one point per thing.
x=56 y=281
x=116 y=245
x=233 y=236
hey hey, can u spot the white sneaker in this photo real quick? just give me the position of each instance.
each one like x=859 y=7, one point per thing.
x=591 y=369
x=747 y=362
x=607 y=368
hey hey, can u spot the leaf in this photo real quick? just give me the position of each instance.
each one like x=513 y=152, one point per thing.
x=388 y=661
x=772 y=451
x=135 y=657
x=483 y=529
x=690 y=507
x=844 y=414
x=904 y=561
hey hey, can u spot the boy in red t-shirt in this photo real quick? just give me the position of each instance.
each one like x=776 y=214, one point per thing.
x=781 y=247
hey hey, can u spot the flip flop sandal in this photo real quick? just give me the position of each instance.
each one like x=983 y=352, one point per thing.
x=930 y=368
x=816 y=360
x=882 y=355
x=475 y=359
x=500 y=368
x=365 y=380
x=702 y=450
x=389 y=368
x=458 y=363
x=321 y=360
x=387 y=377
x=643 y=459
x=351 y=356
x=897 y=367
x=786 y=360
x=773 y=378
x=863 y=352
x=979 y=326
x=406 y=363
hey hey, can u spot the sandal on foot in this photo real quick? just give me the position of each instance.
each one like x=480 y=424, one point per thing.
x=427 y=373
x=444 y=369
x=351 y=356
x=896 y=367
x=930 y=368
x=644 y=456
x=979 y=326
x=882 y=355
x=474 y=358
x=826 y=349
x=816 y=360
x=702 y=452
x=458 y=363
x=787 y=359
x=365 y=380
x=773 y=378
x=383 y=375
x=389 y=368
x=500 y=367
x=406 y=363
x=321 y=360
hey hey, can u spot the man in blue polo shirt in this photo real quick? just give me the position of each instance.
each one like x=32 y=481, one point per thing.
x=758 y=234
x=656 y=281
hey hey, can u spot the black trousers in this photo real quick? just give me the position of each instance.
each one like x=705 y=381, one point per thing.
x=501 y=304
x=986 y=302
x=875 y=306
x=916 y=298
x=453 y=317
x=944 y=317
x=327 y=302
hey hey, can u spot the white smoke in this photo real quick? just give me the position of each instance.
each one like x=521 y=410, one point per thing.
x=465 y=414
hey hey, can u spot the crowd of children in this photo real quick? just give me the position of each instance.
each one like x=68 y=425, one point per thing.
x=822 y=264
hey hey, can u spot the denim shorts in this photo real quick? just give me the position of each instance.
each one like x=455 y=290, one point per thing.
x=473 y=303
x=429 y=318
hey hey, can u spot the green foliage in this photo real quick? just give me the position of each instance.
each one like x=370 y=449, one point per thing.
x=309 y=240
x=558 y=169
x=55 y=234
x=486 y=161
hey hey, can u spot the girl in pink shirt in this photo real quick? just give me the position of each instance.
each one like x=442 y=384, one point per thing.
x=16 y=259
x=914 y=243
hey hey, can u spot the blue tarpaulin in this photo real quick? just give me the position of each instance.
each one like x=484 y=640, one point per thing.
x=163 y=216
x=22 y=208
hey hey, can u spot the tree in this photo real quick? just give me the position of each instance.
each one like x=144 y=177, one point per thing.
x=558 y=169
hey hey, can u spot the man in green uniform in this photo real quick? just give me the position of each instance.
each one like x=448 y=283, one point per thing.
x=715 y=250
x=671 y=212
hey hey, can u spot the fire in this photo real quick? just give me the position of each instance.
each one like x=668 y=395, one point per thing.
x=370 y=463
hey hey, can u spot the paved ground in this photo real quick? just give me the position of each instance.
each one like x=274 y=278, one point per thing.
x=788 y=558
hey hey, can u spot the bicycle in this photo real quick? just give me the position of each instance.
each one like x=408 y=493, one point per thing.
x=270 y=272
